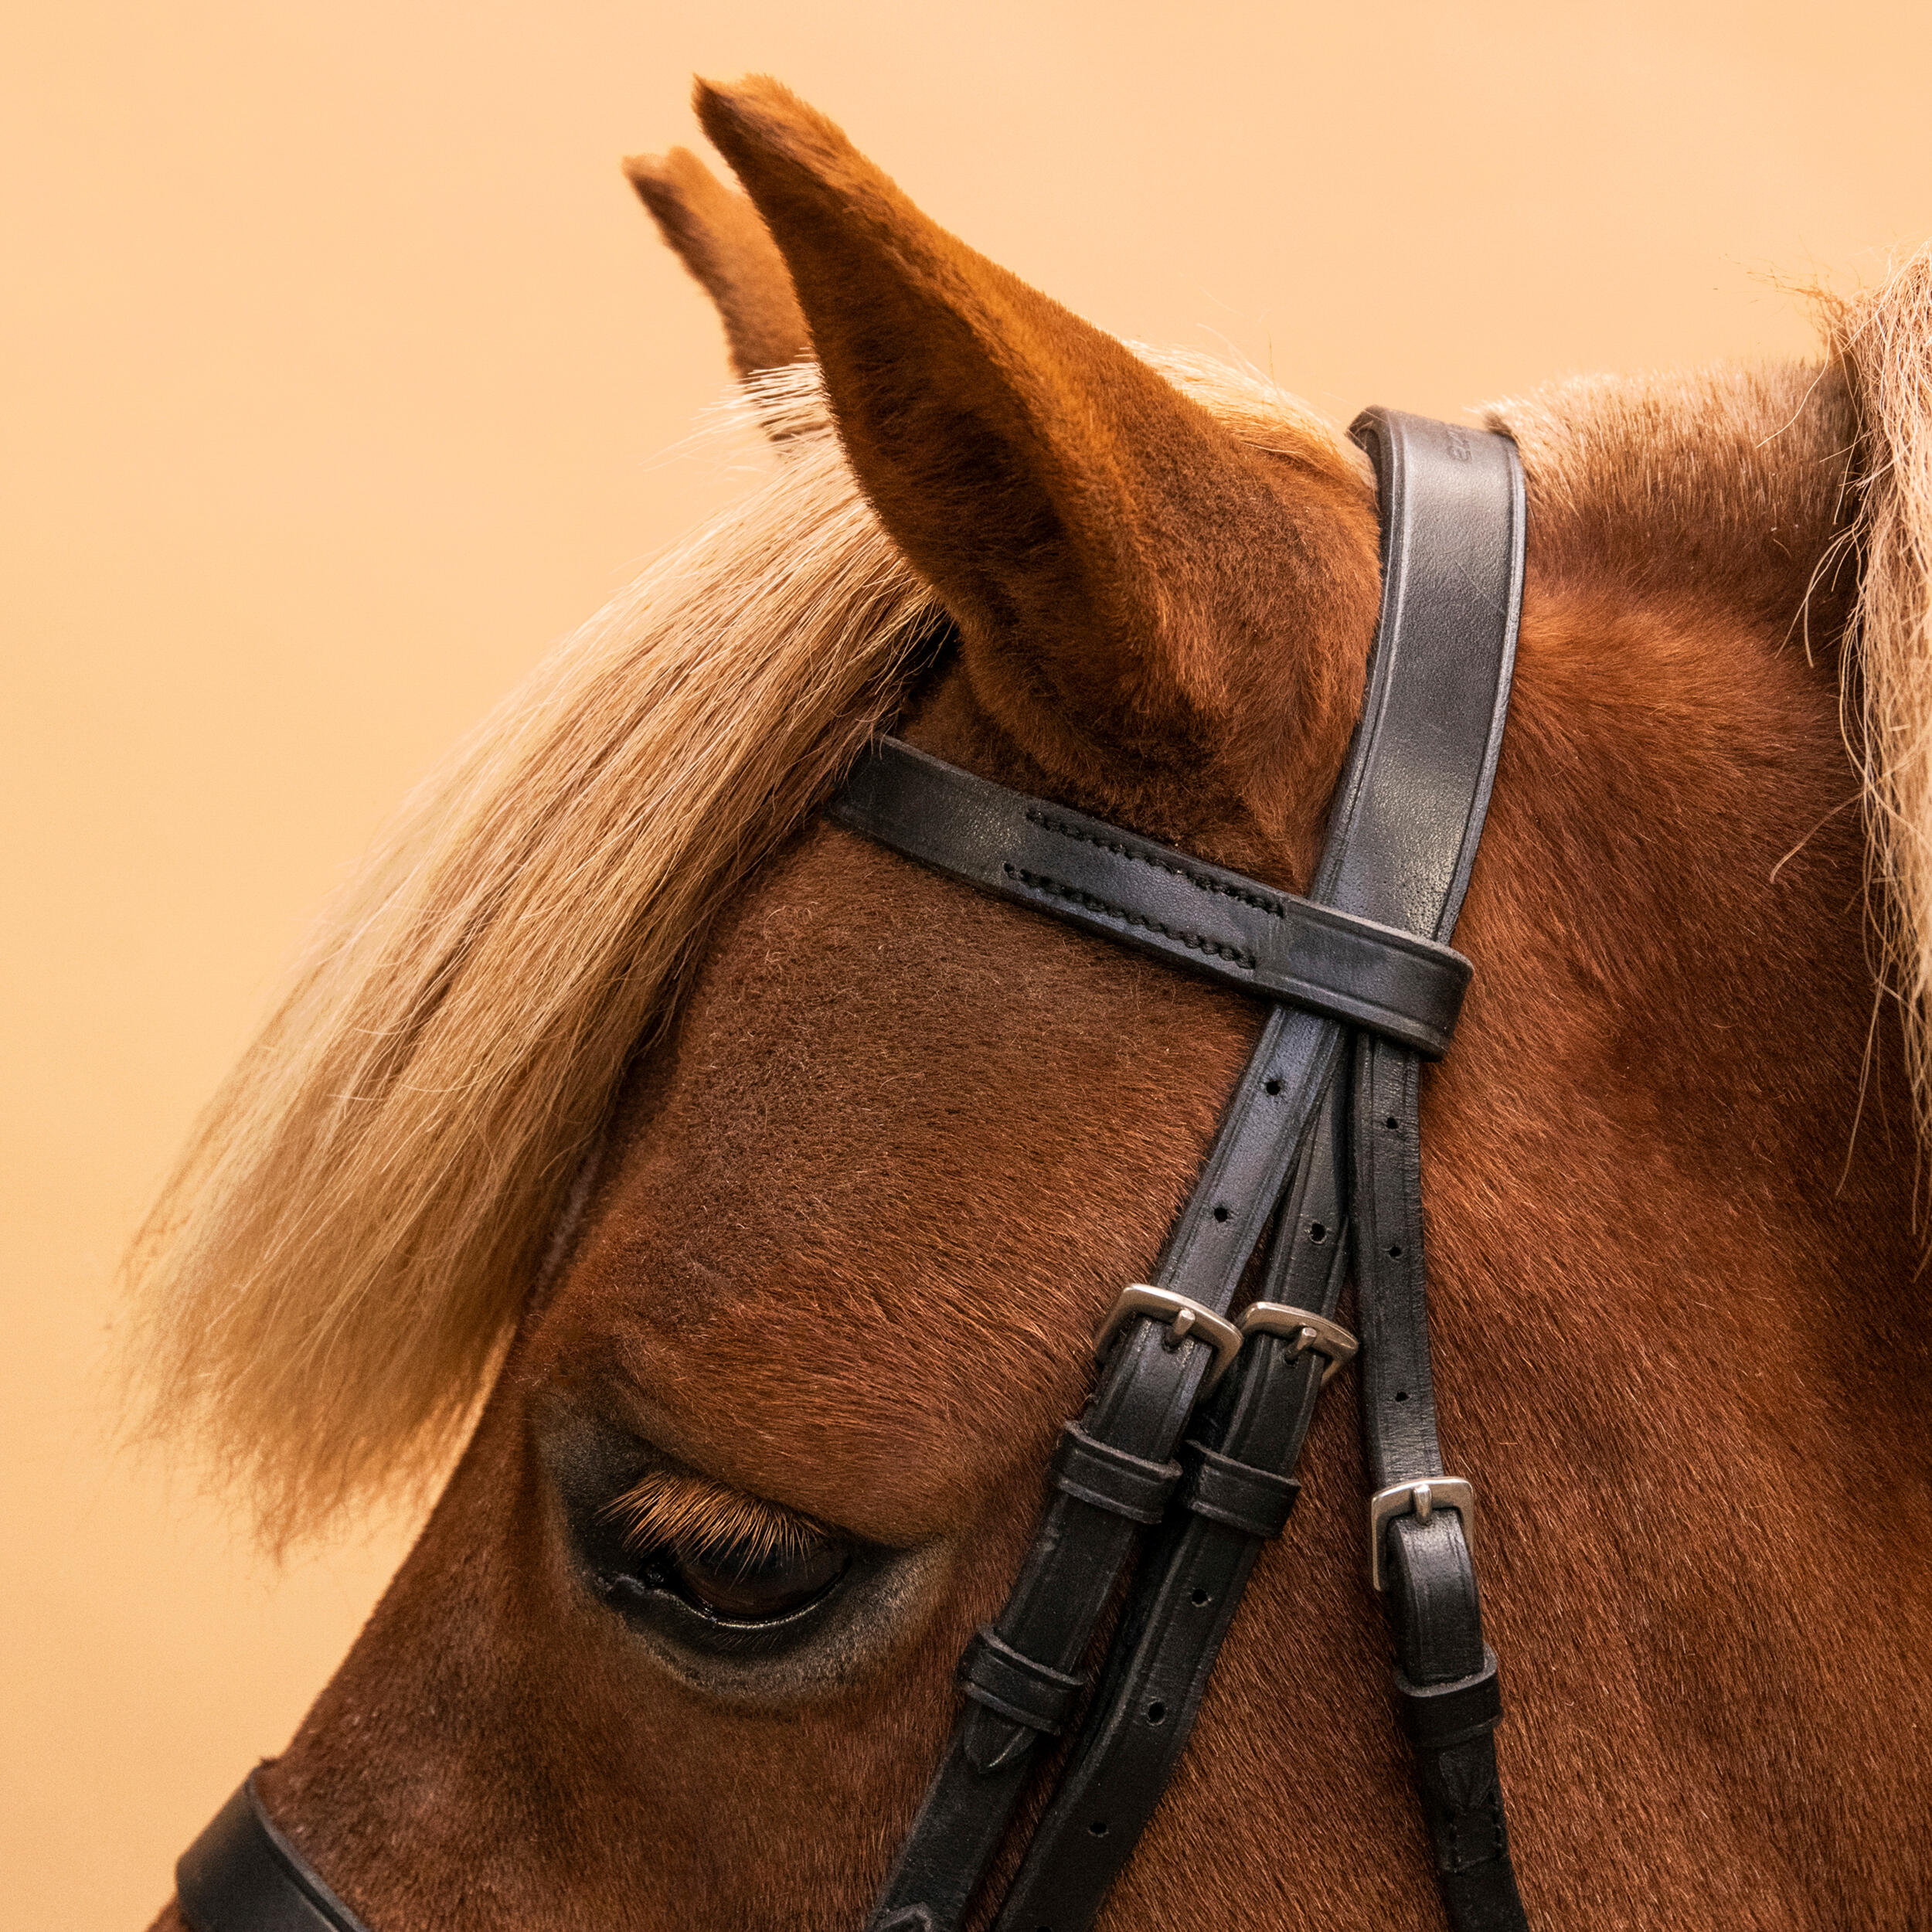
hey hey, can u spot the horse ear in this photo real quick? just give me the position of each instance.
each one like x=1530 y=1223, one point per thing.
x=720 y=238
x=1131 y=583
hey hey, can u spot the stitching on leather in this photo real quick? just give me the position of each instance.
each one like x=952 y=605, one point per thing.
x=1197 y=942
x=1047 y=823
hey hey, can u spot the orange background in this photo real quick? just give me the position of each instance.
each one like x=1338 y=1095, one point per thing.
x=343 y=374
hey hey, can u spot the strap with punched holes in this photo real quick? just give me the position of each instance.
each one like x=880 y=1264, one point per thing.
x=1404 y=828
x=1365 y=987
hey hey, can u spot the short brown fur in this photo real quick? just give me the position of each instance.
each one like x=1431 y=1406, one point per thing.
x=718 y=237
x=863 y=1202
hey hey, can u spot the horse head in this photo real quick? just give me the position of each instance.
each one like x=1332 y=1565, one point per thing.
x=770 y=1186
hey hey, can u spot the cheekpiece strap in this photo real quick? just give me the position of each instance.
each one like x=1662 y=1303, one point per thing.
x=1363 y=983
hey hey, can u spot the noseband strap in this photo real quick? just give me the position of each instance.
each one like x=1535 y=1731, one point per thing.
x=241 y=1874
x=1318 y=1155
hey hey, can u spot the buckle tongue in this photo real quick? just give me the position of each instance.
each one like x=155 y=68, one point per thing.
x=1421 y=1499
x=1307 y=1330
x=1189 y=1319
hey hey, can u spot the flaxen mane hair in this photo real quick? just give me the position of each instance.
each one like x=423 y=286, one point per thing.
x=335 y=1266
x=335 y=1263
x=1884 y=340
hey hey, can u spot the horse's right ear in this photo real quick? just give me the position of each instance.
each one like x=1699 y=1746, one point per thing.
x=723 y=240
x=1142 y=597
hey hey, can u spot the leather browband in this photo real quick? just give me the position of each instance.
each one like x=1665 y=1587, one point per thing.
x=1186 y=912
x=1316 y=1153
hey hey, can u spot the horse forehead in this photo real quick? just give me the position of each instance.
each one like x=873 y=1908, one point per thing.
x=903 y=1147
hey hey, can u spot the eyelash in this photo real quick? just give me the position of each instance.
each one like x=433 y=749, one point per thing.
x=707 y=1521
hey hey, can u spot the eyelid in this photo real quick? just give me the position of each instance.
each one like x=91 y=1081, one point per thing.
x=692 y=1514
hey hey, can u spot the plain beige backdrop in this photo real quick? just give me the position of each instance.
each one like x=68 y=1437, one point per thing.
x=342 y=374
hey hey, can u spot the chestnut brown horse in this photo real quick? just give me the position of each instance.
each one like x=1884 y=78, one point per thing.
x=751 y=1194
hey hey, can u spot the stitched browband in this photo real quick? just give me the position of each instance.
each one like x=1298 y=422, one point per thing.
x=1186 y=912
x=1319 y=1144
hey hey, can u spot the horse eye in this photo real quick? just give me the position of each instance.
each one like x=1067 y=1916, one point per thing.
x=742 y=1583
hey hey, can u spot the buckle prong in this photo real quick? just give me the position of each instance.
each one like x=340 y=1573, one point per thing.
x=1306 y=1330
x=1420 y=1500
x=1187 y=1319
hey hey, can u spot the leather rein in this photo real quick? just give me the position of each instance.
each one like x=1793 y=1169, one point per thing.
x=1187 y=1450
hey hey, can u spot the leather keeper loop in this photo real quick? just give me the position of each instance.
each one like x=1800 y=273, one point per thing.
x=1437 y=1717
x=1256 y=1501
x=1110 y=1478
x=991 y=1672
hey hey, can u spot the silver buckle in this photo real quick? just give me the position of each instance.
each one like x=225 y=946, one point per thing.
x=1306 y=1330
x=1421 y=1500
x=1190 y=1321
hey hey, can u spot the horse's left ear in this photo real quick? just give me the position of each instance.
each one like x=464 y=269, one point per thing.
x=723 y=240
x=1142 y=596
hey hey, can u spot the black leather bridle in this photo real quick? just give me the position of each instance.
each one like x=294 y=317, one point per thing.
x=1188 y=1449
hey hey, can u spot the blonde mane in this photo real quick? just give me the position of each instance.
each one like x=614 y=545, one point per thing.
x=335 y=1265
x=1884 y=341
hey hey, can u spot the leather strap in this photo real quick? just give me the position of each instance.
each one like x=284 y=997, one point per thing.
x=1245 y=1496
x=1096 y=1472
x=1403 y=832
x=1190 y=1584
x=1446 y=1682
x=1182 y=910
x=241 y=1874
x=1365 y=956
x=1146 y=1394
